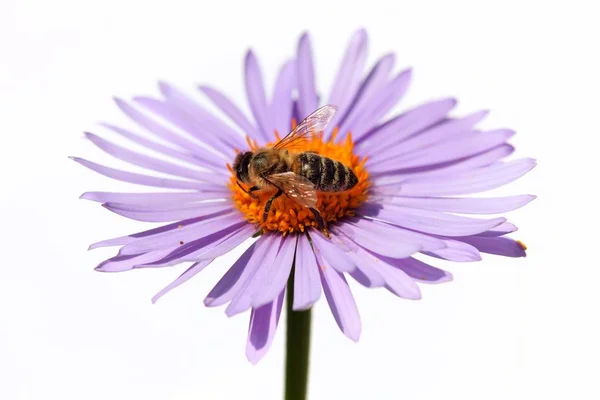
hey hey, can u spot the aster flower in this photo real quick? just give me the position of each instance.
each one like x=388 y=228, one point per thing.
x=409 y=167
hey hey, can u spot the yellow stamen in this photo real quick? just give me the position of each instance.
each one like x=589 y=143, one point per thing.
x=522 y=245
x=287 y=216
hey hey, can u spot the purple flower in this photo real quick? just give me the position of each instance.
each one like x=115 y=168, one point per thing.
x=409 y=168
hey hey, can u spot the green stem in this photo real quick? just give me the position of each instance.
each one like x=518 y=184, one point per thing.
x=297 y=348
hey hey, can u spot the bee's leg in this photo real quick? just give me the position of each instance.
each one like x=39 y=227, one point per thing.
x=249 y=191
x=270 y=202
x=320 y=221
x=253 y=189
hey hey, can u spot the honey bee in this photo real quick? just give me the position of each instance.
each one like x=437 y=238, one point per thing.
x=298 y=175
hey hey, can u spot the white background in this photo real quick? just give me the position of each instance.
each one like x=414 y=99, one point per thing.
x=503 y=329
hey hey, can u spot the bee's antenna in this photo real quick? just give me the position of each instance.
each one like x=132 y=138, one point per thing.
x=241 y=187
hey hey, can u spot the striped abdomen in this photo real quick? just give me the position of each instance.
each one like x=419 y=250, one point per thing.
x=326 y=174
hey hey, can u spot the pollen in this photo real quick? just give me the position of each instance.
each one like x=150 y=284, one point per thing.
x=523 y=246
x=286 y=215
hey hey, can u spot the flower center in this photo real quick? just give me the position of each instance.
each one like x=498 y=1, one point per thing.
x=286 y=215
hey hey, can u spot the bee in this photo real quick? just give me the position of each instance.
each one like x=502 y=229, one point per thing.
x=298 y=175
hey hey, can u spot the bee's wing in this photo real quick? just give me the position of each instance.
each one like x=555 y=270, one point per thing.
x=296 y=187
x=314 y=123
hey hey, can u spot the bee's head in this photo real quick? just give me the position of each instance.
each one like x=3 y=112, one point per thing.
x=240 y=166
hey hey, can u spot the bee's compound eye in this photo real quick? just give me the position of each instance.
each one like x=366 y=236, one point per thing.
x=240 y=165
x=237 y=161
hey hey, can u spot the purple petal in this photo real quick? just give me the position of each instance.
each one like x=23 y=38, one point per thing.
x=141 y=179
x=307 y=284
x=404 y=126
x=283 y=102
x=200 y=153
x=112 y=242
x=160 y=198
x=457 y=148
x=154 y=231
x=427 y=221
x=307 y=92
x=377 y=272
x=440 y=132
x=219 y=131
x=209 y=247
x=257 y=279
x=367 y=92
x=127 y=262
x=492 y=205
x=456 y=251
x=168 y=213
x=420 y=271
x=404 y=240
x=481 y=160
x=497 y=245
x=364 y=270
x=399 y=282
x=349 y=74
x=229 y=243
x=500 y=230
x=202 y=228
x=154 y=164
x=231 y=110
x=469 y=164
x=377 y=239
x=332 y=253
x=388 y=97
x=361 y=278
x=263 y=325
x=199 y=129
x=469 y=182
x=186 y=276
x=256 y=96
x=274 y=277
x=168 y=151
x=341 y=302
x=228 y=285
x=244 y=268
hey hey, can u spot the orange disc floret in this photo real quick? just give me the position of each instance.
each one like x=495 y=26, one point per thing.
x=286 y=215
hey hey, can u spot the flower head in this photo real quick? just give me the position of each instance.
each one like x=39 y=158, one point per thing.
x=408 y=169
